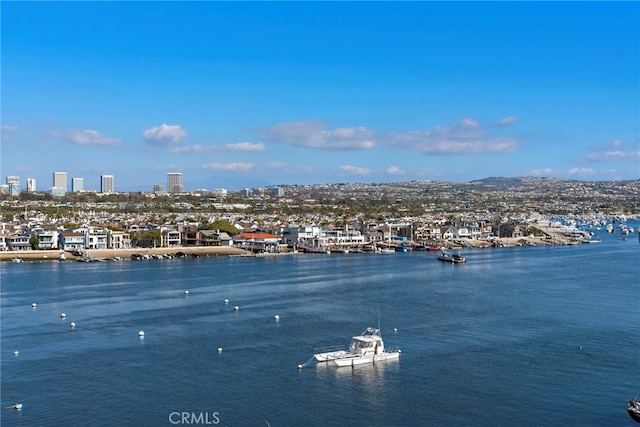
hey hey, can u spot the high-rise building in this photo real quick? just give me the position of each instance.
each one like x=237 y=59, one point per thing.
x=174 y=182
x=106 y=183
x=13 y=182
x=60 y=180
x=14 y=188
x=77 y=185
x=158 y=188
x=31 y=185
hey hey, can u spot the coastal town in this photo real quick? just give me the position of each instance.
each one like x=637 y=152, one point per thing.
x=338 y=218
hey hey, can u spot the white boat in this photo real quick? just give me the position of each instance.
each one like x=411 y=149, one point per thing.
x=17 y=260
x=367 y=347
x=386 y=250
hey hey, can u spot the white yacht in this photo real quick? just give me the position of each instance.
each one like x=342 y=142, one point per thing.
x=367 y=347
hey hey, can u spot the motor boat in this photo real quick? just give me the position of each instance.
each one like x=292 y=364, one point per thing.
x=634 y=410
x=368 y=347
x=454 y=258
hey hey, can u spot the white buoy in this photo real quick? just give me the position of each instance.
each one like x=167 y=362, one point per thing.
x=395 y=329
x=219 y=349
x=141 y=334
x=72 y=325
x=15 y=353
x=62 y=315
x=34 y=305
x=186 y=292
x=277 y=317
x=236 y=308
x=226 y=301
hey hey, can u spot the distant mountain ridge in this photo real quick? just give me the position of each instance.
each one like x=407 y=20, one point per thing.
x=511 y=183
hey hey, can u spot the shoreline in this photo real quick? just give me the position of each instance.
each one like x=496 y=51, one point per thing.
x=111 y=254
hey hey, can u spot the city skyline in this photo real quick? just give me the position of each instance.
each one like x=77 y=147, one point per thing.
x=106 y=184
x=241 y=95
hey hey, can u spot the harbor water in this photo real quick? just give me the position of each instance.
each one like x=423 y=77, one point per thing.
x=522 y=336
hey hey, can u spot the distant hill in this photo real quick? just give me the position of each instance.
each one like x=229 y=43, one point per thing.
x=510 y=183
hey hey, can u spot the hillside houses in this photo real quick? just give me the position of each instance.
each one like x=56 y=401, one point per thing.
x=254 y=237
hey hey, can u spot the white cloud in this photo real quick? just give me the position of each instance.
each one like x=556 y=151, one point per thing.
x=395 y=170
x=581 y=172
x=313 y=134
x=165 y=135
x=615 y=152
x=7 y=131
x=84 y=137
x=238 y=166
x=196 y=148
x=245 y=146
x=464 y=137
x=355 y=170
x=506 y=121
x=204 y=149
x=467 y=136
x=542 y=172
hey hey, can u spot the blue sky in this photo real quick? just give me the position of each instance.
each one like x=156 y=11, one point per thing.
x=251 y=94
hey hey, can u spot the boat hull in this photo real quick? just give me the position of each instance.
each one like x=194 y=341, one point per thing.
x=362 y=360
x=343 y=358
x=453 y=260
x=634 y=410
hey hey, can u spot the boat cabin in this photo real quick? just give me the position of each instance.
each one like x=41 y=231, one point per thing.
x=367 y=344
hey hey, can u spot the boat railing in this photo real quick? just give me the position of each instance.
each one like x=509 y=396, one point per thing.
x=328 y=349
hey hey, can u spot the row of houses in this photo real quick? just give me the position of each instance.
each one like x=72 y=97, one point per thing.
x=184 y=235
x=97 y=238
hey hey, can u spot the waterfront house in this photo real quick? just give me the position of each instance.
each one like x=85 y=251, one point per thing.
x=72 y=241
x=209 y=237
x=189 y=234
x=257 y=242
x=19 y=242
x=449 y=232
x=171 y=238
x=428 y=233
x=509 y=229
x=96 y=239
x=48 y=239
x=119 y=240
x=3 y=242
x=215 y=238
x=293 y=235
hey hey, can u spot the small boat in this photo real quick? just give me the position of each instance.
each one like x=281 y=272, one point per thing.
x=591 y=240
x=634 y=410
x=17 y=260
x=453 y=258
x=367 y=347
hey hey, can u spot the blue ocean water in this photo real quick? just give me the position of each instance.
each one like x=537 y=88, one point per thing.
x=526 y=336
